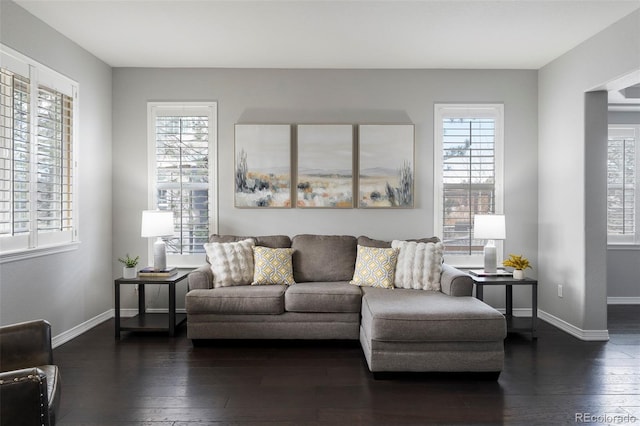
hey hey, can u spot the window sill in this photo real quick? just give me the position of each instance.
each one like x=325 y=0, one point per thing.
x=615 y=247
x=18 y=255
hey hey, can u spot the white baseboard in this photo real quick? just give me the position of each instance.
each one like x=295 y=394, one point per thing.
x=587 y=335
x=163 y=310
x=79 y=329
x=623 y=300
x=517 y=312
x=127 y=313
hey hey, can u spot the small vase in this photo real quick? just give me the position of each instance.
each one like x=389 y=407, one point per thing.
x=128 y=273
x=518 y=274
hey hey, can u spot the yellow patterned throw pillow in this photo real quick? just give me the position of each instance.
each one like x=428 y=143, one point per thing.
x=272 y=266
x=375 y=267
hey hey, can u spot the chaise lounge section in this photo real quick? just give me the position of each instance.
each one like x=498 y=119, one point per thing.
x=400 y=329
x=414 y=330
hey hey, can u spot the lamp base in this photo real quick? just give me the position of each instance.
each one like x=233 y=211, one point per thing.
x=159 y=255
x=490 y=258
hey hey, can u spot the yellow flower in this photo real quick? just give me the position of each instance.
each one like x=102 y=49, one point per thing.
x=517 y=262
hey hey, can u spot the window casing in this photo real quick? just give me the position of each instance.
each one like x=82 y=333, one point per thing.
x=468 y=158
x=38 y=161
x=182 y=175
x=623 y=182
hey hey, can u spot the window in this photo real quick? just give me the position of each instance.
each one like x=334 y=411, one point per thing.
x=623 y=162
x=38 y=208
x=182 y=155
x=468 y=156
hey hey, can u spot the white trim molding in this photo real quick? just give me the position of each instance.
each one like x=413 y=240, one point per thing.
x=17 y=255
x=471 y=111
x=623 y=300
x=79 y=329
x=586 y=335
x=517 y=312
x=76 y=331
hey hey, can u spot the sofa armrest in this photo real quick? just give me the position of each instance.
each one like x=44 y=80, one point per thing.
x=25 y=344
x=23 y=397
x=201 y=278
x=454 y=282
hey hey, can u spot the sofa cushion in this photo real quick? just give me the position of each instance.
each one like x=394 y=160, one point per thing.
x=323 y=257
x=244 y=300
x=370 y=242
x=375 y=267
x=403 y=315
x=273 y=241
x=323 y=297
x=272 y=266
x=419 y=265
x=231 y=263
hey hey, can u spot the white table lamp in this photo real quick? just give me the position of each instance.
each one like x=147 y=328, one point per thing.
x=158 y=223
x=490 y=228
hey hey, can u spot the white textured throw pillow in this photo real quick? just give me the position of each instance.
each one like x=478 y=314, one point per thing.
x=419 y=265
x=231 y=263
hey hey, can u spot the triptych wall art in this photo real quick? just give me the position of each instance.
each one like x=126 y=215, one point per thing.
x=324 y=166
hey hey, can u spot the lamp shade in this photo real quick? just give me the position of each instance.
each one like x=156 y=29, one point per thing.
x=157 y=223
x=489 y=227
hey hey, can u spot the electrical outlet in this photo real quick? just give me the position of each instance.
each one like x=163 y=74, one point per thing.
x=559 y=290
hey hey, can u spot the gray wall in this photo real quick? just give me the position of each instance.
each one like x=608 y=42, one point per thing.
x=69 y=288
x=623 y=270
x=595 y=217
x=563 y=195
x=327 y=96
x=623 y=263
x=624 y=117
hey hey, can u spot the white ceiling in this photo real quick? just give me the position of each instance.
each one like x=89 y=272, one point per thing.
x=510 y=34
x=626 y=99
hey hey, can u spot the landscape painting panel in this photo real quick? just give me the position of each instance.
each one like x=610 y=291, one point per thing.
x=386 y=177
x=325 y=166
x=263 y=165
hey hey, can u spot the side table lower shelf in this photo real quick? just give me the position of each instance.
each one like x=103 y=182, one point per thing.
x=149 y=322
x=514 y=324
x=520 y=325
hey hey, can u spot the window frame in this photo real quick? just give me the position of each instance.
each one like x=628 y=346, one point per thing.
x=627 y=240
x=37 y=242
x=467 y=110
x=159 y=109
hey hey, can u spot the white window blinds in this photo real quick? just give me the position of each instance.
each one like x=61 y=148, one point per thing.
x=15 y=146
x=37 y=164
x=622 y=185
x=183 y=167
x=469 y=171
x=54 y=161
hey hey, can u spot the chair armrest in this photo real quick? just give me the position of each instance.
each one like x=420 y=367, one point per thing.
x=25 y=345
x=201 y=278
x=454 y=282
x=23 y=397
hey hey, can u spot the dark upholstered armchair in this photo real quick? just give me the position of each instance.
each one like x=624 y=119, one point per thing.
x=29 y=382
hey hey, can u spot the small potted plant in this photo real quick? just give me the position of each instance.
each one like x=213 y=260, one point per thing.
x=130 y=263
x=519 y=263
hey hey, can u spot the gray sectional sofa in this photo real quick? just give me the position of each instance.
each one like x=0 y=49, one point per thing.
x=400 y=330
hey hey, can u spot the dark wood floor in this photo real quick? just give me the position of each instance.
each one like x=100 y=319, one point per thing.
x=147 y=379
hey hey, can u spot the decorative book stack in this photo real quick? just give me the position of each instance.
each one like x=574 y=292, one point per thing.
x=483 y=273
x=151 y=272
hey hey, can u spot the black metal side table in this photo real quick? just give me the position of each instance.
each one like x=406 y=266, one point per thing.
x=150 y=321
x=514 y=324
